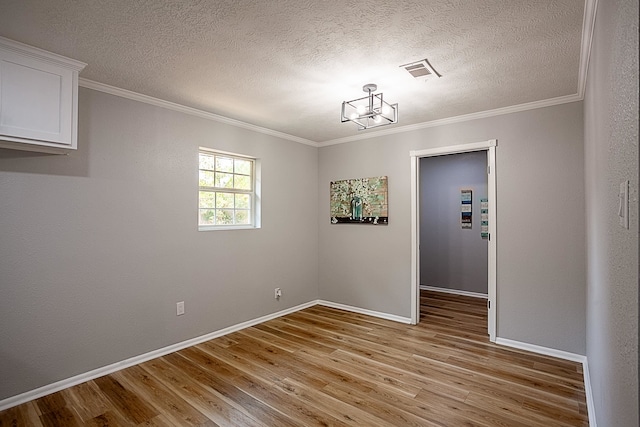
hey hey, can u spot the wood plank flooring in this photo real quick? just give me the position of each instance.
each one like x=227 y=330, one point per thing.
x=327 y=367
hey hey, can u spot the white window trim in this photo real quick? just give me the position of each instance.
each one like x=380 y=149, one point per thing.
x=255 y=199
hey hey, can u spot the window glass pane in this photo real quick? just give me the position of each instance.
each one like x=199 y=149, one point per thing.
x=242 y=166
x=226 y=193
x=242 y=217
x=206 y=161
x=224 y=180
x=224 y=164
x=224 y=216
x=206 y=179
x=224 y=200
x=242 y=182
x=207 y=217
x=243 y=201
x=207 y=199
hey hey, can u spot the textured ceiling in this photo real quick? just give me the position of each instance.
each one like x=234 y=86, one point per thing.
x=287 y=65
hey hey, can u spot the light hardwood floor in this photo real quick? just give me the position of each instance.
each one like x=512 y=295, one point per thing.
x=327 y=367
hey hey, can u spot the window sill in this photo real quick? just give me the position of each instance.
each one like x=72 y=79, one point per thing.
x=226 y=227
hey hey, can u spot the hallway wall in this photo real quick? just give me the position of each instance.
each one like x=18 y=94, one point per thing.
x=452 y=257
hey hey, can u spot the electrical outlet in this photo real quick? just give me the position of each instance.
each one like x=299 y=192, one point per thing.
x=278 y=293
x=180 y=308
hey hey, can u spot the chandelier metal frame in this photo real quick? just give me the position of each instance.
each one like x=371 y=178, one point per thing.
x=370 y=111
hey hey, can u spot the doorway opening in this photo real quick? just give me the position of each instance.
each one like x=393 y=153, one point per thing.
x=489 y=208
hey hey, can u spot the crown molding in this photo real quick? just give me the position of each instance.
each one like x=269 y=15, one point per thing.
x=457 y=119
x=41 y=55
x=588 y=24
x=112 y=90
x=124 y=93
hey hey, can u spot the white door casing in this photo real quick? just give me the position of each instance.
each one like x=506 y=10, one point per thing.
x=490 y=147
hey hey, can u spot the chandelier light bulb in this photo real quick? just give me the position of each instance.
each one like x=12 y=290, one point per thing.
x=385 y=109
x=361 y=109
x=377 y=118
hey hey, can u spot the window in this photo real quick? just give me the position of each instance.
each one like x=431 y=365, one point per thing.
x=227 y=191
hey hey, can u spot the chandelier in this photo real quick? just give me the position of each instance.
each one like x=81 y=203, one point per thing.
x=370 y=111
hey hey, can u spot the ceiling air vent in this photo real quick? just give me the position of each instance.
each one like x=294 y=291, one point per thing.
x=421 y=69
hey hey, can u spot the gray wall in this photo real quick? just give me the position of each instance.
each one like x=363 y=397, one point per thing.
x=98 y=246
x=611 y=146
x=452 y=257
x=540 y=223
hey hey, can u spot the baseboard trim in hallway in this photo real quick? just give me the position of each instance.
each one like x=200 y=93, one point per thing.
x=453 y=291
x=560 y=355
x=366 y=312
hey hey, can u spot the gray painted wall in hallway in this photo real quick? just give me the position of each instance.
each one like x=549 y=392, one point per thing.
x=452 y=257
x=540 y=223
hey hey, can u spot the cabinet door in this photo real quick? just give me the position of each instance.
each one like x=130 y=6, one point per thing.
x=36 y=99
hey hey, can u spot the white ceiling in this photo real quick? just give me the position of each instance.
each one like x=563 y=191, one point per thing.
x=287 y=65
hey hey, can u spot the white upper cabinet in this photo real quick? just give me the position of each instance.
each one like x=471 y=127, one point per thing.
x=38 y=99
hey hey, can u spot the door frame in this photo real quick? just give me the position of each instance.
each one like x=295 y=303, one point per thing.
x=490 y=147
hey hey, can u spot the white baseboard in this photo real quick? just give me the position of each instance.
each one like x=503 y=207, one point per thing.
x=454 y=291
x=560 y=355
x=105 y=370
x=364 y=311
x=546 y=351
x=589 y=394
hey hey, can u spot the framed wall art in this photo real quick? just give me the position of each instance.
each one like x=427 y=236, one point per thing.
x=466 y=209
x=359 y=201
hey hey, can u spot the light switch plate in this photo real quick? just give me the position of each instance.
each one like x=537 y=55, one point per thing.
x=623 y=204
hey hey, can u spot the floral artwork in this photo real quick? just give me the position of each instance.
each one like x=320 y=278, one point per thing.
x=359 y=201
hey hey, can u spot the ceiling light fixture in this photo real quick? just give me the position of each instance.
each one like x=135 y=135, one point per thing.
x=370 y=111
